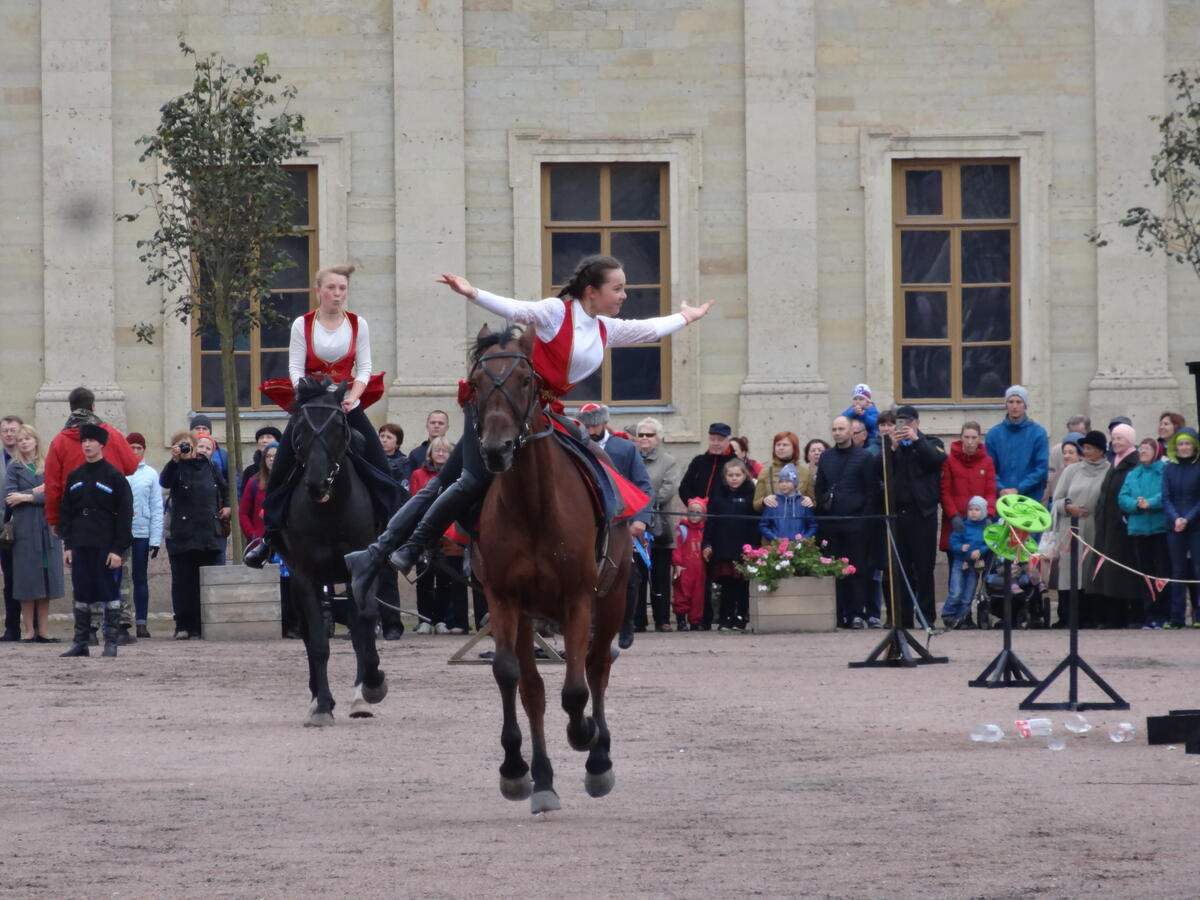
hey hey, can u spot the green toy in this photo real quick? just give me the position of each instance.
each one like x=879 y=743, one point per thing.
x=1023 y=513
x=1000 y=540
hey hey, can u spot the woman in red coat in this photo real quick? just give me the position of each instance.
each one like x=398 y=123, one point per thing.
x=967 y=472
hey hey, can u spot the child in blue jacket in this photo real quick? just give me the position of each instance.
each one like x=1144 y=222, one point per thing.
x=862 y=408
x=967 y=558
x=792 y=513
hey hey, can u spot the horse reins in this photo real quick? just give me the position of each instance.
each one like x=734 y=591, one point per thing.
x=498 y=384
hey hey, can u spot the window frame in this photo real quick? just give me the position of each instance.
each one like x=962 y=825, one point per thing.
x=605 y=225
x=952 y=220
x=311 y=229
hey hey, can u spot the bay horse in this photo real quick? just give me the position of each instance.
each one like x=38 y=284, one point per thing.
x=329 y=515
x=536 y=558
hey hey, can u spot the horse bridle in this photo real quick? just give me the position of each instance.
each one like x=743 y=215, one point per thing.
x=318 y=433
x=498 y=384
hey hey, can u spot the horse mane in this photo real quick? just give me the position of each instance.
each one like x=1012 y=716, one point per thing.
x=309 y=389
x=501 y=339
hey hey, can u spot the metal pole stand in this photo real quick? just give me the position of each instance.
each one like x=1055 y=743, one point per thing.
x=1074 y=662
x=1006 y=670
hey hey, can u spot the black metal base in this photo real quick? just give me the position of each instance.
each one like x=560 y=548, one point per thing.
x=1072 y=664
x=898 y=648
x=1180 y=726
x=1005 y=671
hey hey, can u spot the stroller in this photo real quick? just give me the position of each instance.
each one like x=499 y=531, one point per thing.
x=1029 y=606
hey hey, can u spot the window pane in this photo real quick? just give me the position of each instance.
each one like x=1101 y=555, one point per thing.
x=985 y=192
x=567 y=248
x=294 y=248
x=638 y=252
x=210 y=340
x=925 y=372
x=923 y=193
x=635 y=193
x=636 y=373
x=575 y=193
x=211 y=392
x=925 y=314
x=271 y=365
x=987 y=371
x=588 y=389
x=299 y=181
x=278 y=332
x=986 y=314
x=985 y=256
x=925 y=257
x=641 y=303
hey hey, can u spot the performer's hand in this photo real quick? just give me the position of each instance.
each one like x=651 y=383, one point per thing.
x=348 y=404
x=67 y=558
x=459 y=285
x=113 y=561
x=692 y=313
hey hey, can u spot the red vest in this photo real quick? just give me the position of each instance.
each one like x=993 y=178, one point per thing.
x=552 y=358
x=281 y=391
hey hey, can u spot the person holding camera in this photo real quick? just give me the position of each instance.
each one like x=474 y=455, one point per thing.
x=195 y=536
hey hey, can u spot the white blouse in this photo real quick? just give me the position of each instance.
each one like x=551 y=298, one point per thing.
x=587 y=349
x=330 y=346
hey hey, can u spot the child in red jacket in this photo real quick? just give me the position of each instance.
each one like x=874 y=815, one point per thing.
x=688 y=568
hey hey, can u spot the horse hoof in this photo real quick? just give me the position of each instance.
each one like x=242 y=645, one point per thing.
x=377 y=693
x=360 y=709
x=516 y=788
x=543 y=802
x=318 y=719
x=599 y=785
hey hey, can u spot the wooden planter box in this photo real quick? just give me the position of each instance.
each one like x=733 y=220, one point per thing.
x=238 y=603
x=798 y=604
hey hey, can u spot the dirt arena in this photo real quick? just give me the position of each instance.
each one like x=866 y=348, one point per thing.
x=745 y=765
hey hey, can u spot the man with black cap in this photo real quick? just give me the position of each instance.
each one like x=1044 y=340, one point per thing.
x=96 y=520
x=914 y=480
x=704 y=471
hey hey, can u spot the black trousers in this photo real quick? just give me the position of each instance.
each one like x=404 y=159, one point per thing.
x=656 y=589
x=12 y=609
x=1151 y=556
x=735 y=602
x=853 y=592
x=185 y=586
x=916 y=541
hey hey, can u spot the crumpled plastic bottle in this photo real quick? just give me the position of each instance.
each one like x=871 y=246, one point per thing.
x=1034 y=727
x=1077 y=724
x=987 y=733
x=1122 y=733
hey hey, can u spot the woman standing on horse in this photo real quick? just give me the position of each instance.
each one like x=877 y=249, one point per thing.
x=327 y=342
x=572 y=331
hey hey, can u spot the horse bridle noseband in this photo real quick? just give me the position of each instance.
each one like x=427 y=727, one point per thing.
x=318 y=433
x=498 y=381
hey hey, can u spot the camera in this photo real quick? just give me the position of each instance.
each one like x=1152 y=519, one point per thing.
x=184 y=448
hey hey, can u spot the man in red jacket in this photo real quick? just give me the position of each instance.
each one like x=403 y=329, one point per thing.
x=65 y=453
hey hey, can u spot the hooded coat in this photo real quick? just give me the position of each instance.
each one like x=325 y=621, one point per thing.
x=963 y=477
x=1080 y=483
x=1144 y=481
x=727 y=536
x=1021 y=452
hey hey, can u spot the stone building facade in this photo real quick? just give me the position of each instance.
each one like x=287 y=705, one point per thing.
x=784 y=131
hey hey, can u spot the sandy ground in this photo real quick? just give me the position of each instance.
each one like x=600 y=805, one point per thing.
x=745 y=765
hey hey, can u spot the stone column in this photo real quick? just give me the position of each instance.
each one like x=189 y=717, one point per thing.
x=77 y=210
x=1133 y=375
x=431 y=222
x=783 y=386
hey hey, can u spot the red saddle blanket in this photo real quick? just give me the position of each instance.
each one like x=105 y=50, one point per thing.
x=614 y=497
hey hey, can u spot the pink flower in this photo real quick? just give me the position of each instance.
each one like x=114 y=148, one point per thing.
x=825 y=561
x=799 y=537
x=788 y=555
x=849 y=570
x=783 y=543
x=746 y=548
x=843 y=560
x=824 y=543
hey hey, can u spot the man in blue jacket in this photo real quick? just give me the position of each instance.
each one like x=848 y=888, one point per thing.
x=626 y=460
x=1019 y=448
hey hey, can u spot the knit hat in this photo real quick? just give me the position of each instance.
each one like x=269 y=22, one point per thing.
x=979 y=502
x=789 y=473
x=271 y=430
x=1017 y=391
x=701 y=502
x=1073 y=437
x=861 y=390
x=91 y=432
x=135 y=437
x=1095 y=439
x=1183 y=434
x=593 y=414
x=200 y=421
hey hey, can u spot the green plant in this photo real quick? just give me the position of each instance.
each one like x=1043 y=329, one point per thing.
x=790 y=558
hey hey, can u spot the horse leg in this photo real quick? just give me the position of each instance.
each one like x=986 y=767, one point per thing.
x=581 y=729
x=533 y=698
x=316 y=642
x=515 y=783
x=370 y=683
x=599 y=778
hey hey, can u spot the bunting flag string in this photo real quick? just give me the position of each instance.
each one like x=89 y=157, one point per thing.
x=1160 y=583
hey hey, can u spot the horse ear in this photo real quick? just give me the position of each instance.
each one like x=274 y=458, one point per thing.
x=483 y=332
x=527 y=339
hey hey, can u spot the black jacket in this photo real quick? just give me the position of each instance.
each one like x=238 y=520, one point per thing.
x=197 y=495
x=728 y=536
x=96 y=509
x=845 y=486
x=703 y=476
x=915 y=474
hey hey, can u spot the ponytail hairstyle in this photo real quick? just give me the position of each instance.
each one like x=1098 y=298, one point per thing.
x=591 y=272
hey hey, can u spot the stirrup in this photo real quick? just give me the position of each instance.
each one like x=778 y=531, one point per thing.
x=257 y=553
x=402 y=564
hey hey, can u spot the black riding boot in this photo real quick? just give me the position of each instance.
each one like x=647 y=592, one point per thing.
x=259 y=551
x=455 y=501
x=83 y=630
x=112 y=629
x=365 y=565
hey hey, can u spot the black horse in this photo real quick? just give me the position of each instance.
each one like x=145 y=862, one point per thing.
x=329 y=515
